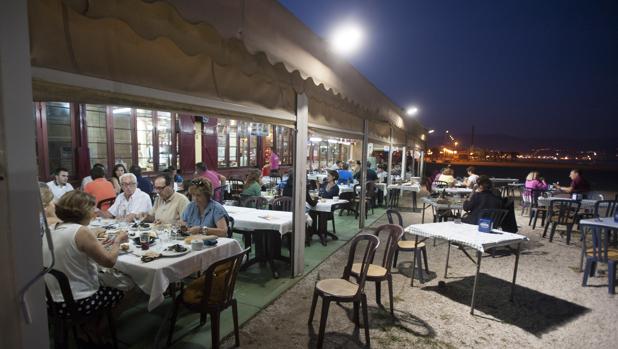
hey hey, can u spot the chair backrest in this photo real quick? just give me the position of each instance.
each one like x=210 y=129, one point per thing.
x=218 y=194
x=153 y=197
x=220 y=280
x=283 y=203
x=563 y=211
x=371 y=188
x=605 y=208
x=370 y=249
x=236 y=185
x=532 y=196
x=348 y=195
x=600 y=244
x=395 y=233
x=70 y=307
x=106 y=202
x=496 y=215
x=230 y=226
x=393 y=214
x=440 y=184
x=255 y=202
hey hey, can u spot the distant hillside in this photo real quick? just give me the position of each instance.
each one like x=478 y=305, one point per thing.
x=513 y=143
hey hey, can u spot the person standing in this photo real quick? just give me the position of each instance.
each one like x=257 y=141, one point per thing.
x=274 y=163
x=60 y=185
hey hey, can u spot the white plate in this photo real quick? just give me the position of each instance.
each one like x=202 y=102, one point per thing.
x=166 y=253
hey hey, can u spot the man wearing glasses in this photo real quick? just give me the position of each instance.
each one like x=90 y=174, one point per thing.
x=168 y=206
x=131 y=203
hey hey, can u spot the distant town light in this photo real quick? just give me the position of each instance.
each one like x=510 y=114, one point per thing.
x=347 y=38
x=431 y=131
x=456 y=143
x=413 y=110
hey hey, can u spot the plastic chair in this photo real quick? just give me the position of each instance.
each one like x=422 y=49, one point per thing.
x=561 y=212
x=344 y=290
x=348 y=206
x=219 y=192
x=394 y=217
x=601 y=252
x=393 y=197
x=283 y=203
x=211 y=294
x=73 y=318
x=535 y=209
x=382 y=272
x=440 y=184
x=256 y=202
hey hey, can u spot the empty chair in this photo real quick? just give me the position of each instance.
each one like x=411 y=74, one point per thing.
x=283 y=203
x=211 y=294
x=350 y=197
x=561 y=212
x=496 y=215
x=601 y=252
x=403 y=245
x=369 y=198
x=379 y=272
x=344 y=290
x=66 y=315
x=257 y=202
x=536 y=211
x=393 y=197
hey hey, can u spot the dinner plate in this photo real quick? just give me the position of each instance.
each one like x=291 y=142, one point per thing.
x=166 y=253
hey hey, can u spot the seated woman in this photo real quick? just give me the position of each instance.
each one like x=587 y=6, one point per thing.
x=330 y=188
x=78 y=253
x=49 y=208
x=252 y=185
x=447 y=176
x=481 y=199
x=534 y=181
x=204 y=215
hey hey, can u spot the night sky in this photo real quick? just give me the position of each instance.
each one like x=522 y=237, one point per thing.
x=525 y=68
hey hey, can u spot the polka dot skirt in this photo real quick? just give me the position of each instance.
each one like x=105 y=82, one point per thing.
x=104 y=298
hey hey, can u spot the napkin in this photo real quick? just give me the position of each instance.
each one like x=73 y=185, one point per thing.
x=150 y=256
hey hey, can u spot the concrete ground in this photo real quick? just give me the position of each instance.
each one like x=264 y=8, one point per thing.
x=550 y=309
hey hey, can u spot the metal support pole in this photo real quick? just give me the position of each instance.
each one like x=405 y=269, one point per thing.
x=24 y=325
x=413 y=163
x=363 y=176
x=476 y=279
x=300 y=184
x=403 y=163
x=421 y=164
x=390 y=159
x=414 y=261
x=515 y=270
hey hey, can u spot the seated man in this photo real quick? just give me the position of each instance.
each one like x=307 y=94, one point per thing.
x=60 y=185
x=371 y=174
x=131 y=203
x=143 y=184
x=100 y=187
x=89 y=179
x=481 y=199
x=579 y=185
x=169 y=205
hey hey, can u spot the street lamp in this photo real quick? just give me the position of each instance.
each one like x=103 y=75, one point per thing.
x=413 y=110
x=347 y=38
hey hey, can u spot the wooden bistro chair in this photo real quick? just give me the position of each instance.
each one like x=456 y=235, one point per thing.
x=382 y=272
x=211 y=294
x=403 y=245
x=70 y=317
x=561 y=212
x=601 y=252
x=344 y=290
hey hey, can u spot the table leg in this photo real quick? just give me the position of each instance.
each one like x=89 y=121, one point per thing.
x=168 y=317
x=583 y=253
x=414 y=260
x=515 y=270
x=423 y=217
x=414 y=201
x=476 y=278
x=448 y=255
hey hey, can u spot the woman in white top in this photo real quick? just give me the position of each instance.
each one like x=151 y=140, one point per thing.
x=447 y=176
x=78 y=252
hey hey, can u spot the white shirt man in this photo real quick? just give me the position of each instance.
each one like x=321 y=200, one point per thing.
x=60 y=185
x=131 y=202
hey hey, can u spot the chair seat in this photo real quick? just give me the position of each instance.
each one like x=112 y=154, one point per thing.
x=409 y=245
x=372 y=272
x=337 y=287
x=612 y=253
x=556 y=219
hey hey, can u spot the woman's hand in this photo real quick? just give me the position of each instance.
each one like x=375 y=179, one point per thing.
x=195 y=230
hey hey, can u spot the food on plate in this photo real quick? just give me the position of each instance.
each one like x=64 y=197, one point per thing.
x=151 y=254
x=124 y=246
x=176 y=248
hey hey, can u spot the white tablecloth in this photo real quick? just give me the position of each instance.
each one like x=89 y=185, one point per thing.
x=327 y=205
x=465 y=234
x=451 y=205
x=154 y=277
x=504 y=180
x=319 y=177
x=405 y=187
x=453 y=190
x=250 y=219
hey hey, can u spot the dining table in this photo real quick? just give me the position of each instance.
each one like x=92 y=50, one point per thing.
x=323 y=210
x=464 y=236
x=590 y=224
x=441 y=204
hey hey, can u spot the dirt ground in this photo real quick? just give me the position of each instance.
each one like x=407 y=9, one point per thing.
x=550 y=308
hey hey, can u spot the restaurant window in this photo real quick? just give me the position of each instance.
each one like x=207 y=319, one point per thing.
x=60 y=144
x=145 y=149
x=122 y=136
x=96 y=122
x=164 y=135
x=222 y=143
x=237 y=143
x=283 y=144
